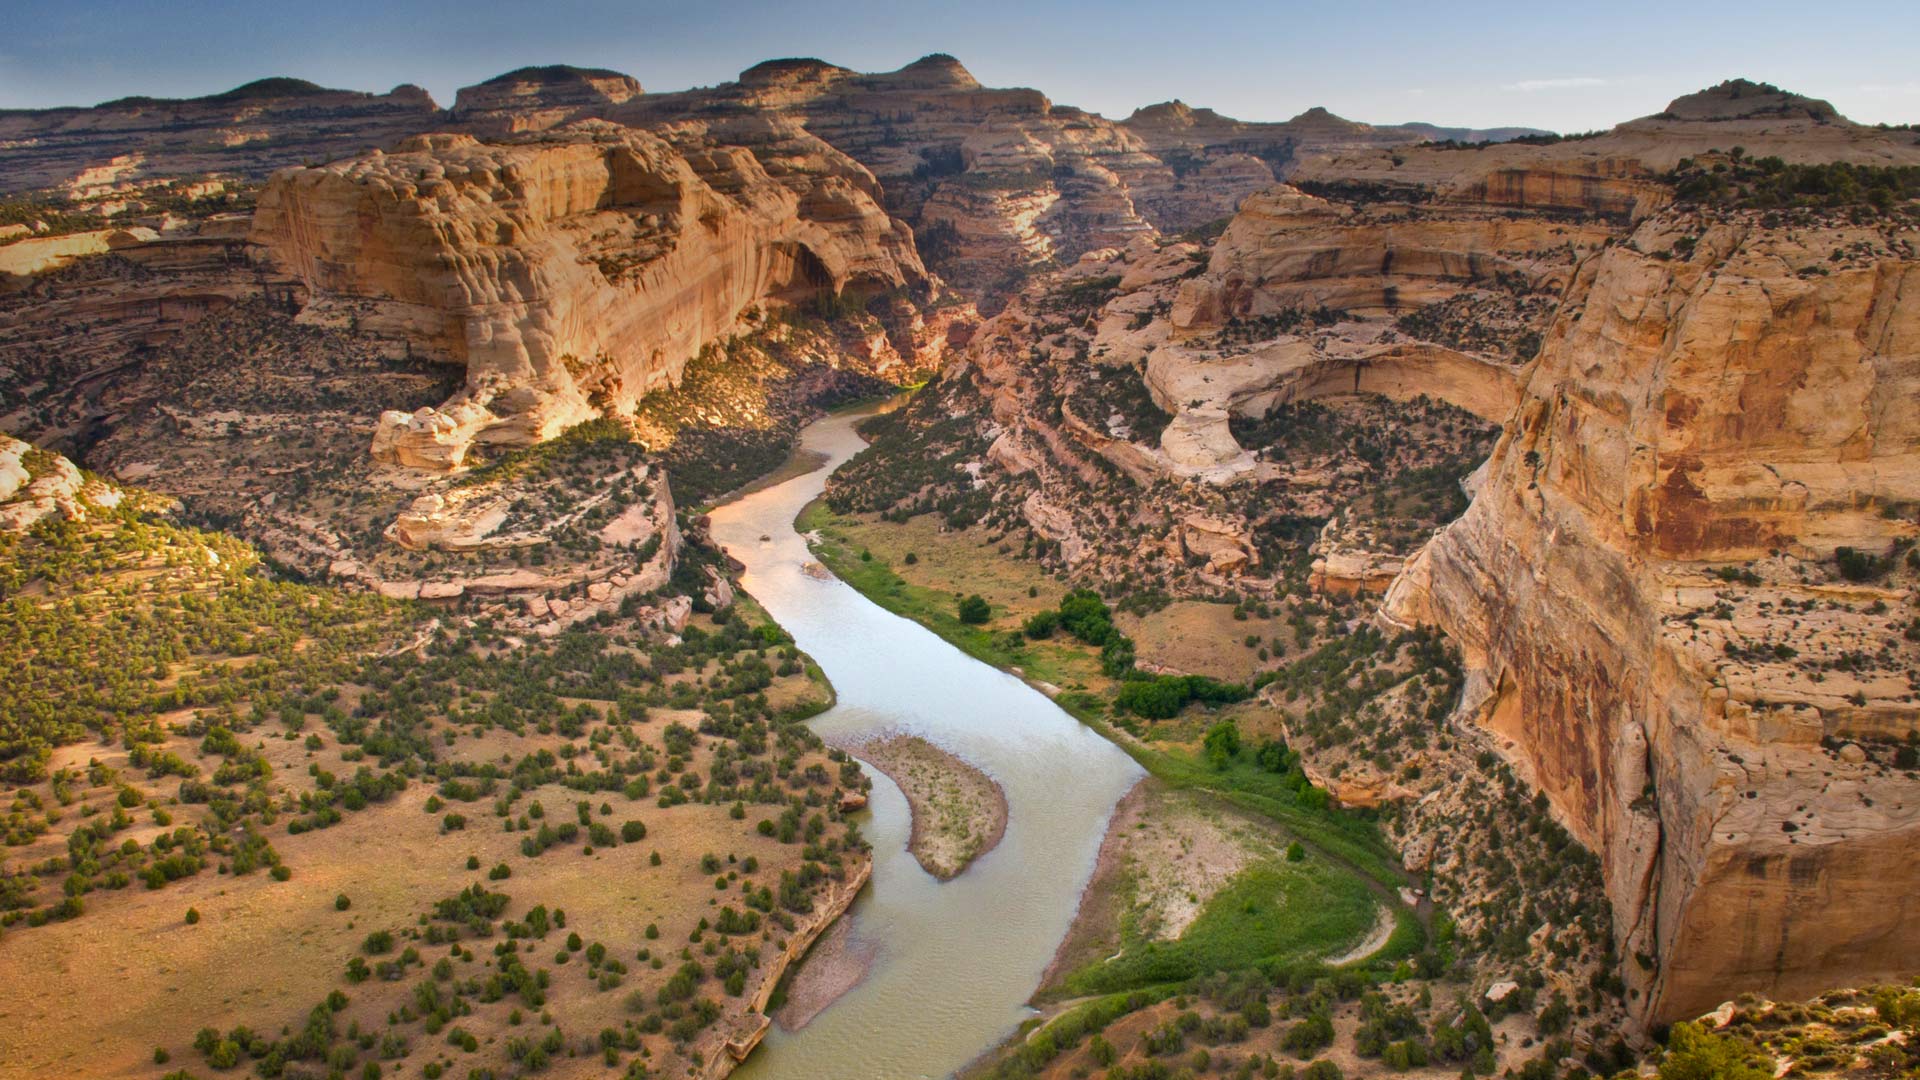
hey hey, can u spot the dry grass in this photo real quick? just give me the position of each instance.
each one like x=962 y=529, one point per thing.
x=131 y=974
x=1197 y=638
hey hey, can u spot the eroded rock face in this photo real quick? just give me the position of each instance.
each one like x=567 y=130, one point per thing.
x=249 y=131
x=35 y=484
x=573 y=272
x=1747 y=393
x=1289 y=250
x=999 y=180
x=1215 y=161
x=39 y=254
x=538 y=98
x=1615 y=173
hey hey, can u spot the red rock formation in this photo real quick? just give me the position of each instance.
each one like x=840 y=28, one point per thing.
x=576 y=271
x=1702 y=409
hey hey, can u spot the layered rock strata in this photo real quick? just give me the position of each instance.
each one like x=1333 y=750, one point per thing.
x=1711 y=730
x=573 y=273
x=248 y=132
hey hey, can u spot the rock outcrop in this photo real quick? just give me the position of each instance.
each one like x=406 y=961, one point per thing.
x=1752 y=400
x=573 y=272
x=1214 y=161
x=1614 y=174
x=537 y=98
x=248 y=131
x=39 y=254
x=35 y=485
x=1286 y=250
x=998 y=181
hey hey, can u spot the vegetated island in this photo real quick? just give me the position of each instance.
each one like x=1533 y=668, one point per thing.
x=959 y=812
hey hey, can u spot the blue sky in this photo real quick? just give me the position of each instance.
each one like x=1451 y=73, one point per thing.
x=1557 y=66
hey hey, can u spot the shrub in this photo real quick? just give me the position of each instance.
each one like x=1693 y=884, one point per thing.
x=224 y=1055
x=1159 y=697
x=1693 y=1053
x=1554 y=1018
x=1222 y=743
x=1309 y=1035
x=974 y=610
x=1153 y=698
x=1857 y=565
x=1087 y=617
x=1041 y=624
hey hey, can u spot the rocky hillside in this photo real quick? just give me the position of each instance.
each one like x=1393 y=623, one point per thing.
x=1614 y=173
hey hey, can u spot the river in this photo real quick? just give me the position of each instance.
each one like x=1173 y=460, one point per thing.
x=955 y=962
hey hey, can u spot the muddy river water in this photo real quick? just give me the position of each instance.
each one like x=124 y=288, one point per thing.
x=954 y=962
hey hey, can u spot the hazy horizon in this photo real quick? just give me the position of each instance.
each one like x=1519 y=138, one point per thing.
x=1469 y=66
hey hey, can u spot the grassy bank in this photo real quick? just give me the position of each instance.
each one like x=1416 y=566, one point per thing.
x=1271 y=913
x=1072 y=671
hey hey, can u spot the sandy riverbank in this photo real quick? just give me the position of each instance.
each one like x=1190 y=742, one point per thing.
x=836 y=964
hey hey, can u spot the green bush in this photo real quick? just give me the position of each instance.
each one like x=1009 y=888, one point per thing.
x=1041 y=624
x=1693 y=1053
x=1159 y=697
x=1222 y=743
x=1856 y=565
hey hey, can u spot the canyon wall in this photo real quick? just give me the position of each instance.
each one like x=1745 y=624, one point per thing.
x=1288 y=250
x=1712 y=391
x=575 y=271
x=248 y=131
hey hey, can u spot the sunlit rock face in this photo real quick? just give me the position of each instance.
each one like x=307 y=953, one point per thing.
x=573 y=272
x=1703 y=398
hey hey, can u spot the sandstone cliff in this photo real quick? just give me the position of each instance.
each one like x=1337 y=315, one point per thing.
x=538 y=98
x=1004 y=179
x=1614 y=173
x=1721 y=739
x=575 y=271
x=248 y=131
x=1683 y=588
x=1216 y=161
